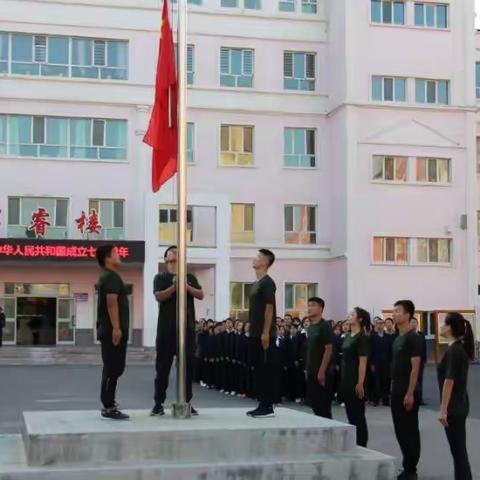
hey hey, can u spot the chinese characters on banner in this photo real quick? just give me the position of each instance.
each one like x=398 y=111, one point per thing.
x=39 y=222
x=54 y=251
x=90 y=225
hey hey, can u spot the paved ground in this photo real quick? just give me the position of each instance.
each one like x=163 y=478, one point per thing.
x=76 y=387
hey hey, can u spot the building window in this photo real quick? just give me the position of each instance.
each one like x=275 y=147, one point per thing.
x=299 y=71
x=388 y=12
x=478 y=232
x=477 y=79
x=58 y=56
x=299 y=147
x=478 y=153
x=110 y=216
x=432 y=91
x=390 y=250
x=300 y=224
x=190 y=143
x=236 y=145
x=4 y=41
x=389 y=89
x=168 y=225
x=240 y=300
x=243 y=223
x=190 y=62
x=389 y=168
x=54 y=137
x=296 y=298
x=309 y=6
x=250 y=4
x=191 y=2
x=286 y=5
x=434 y=170
x=434 y=250
x=236 y=67
x=21 y=209
x=431 y=15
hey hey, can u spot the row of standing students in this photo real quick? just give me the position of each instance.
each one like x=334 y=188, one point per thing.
x=322 y=364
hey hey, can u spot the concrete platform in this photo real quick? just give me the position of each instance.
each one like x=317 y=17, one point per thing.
x=219 y=444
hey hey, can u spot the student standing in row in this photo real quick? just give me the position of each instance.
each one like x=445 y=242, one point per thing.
x=319 y=355
x=452 y=380
x=407 y=353
x=355 y=351
x=262 y=315
x=112 y=327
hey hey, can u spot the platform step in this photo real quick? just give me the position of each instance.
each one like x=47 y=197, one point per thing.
x=359 y=464
x=217 y=436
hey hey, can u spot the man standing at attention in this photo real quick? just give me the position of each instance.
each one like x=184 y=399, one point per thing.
x=407 y=353
x=165 y=291
x=262 y=314
x=112 y=327
x=319 y=354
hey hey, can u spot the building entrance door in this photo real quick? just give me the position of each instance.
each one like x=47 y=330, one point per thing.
x=36 y=321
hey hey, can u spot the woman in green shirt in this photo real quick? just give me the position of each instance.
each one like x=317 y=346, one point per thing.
x=355 y=350
x=452 y=380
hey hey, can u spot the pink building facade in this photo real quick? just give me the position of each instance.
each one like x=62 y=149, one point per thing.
x=338 y=133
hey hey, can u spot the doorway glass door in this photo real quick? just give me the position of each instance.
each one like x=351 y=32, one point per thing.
x=9 y=305
x=65 y=321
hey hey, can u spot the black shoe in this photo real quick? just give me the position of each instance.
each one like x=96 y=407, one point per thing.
x=157 y=411
x=262 y=412
x=194 y=412
x=114 y=414
x=407 y=476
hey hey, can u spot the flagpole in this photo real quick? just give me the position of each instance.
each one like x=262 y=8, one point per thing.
x=182 y=409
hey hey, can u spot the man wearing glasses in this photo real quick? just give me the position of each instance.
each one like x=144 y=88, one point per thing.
x=165 y=291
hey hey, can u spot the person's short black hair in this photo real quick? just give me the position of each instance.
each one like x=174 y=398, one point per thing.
x=169 y=249
x=269 y=254
x=102 y=253
x=408 y=307
x=318 y=301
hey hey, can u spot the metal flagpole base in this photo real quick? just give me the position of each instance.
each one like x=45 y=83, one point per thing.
x=182 y=410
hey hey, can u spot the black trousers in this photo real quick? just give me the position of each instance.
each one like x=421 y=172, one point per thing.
x=166 y=350
x=355 y=409
x=457 y=438
x=320 y=397
x=407 y=432
x=267 y=372
x=380 y=388
x=1 y=336
x=113 y=367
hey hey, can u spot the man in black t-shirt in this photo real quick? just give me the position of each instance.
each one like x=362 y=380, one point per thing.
x=112 y=327
x=262 y=316
x=406 y=358
x=165 y=291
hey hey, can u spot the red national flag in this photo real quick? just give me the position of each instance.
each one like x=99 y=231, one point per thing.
x=162 y=133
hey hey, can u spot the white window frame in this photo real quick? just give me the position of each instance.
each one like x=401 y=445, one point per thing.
x=243 y=74
x=394 y=88
x=383 y=179
x=243 y=205
x=244 y=308
x=384 y=250
x=433 y=4
x=295 y=284
x=285 y=154
x=306 y=78
x=236 y=153
x=426 y=102
x=437 y=181
x=285 y=231
x=429 y=262
x=392 y=23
